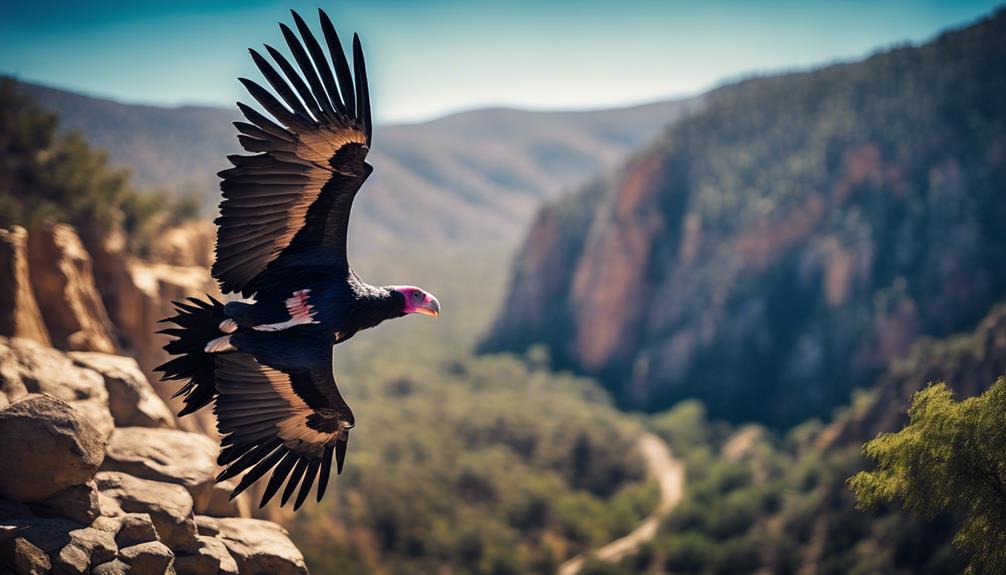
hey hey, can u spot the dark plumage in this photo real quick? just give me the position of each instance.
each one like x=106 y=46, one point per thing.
x=281 y=239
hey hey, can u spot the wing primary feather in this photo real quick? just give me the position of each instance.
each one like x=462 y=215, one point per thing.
x=362 y=93
x=326 y=472
x=258 y=471
x=266 y=124
x=320 y=62
x=340 y=453
x=232 y=452
x=307 y=69
x=246 y=460
x=296 y=80
x=295 y=476
x=338 y=56
x=305 y=487
x=278 y=83
x=272 y=105
x=278 y=475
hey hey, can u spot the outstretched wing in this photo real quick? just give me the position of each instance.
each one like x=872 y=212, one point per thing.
x=288 y=422
x=295 y=194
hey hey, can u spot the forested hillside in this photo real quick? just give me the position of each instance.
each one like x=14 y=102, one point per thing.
x=780 y=248
x=473 y=177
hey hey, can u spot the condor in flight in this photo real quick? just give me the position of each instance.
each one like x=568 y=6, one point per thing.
x=281 y=241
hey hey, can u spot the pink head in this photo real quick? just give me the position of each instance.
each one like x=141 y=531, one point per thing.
x=418 y=301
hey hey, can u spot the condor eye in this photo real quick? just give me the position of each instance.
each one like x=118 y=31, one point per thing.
x=417 y=296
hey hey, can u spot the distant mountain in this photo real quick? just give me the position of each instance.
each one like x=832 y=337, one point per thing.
x=473 y=177
x=779 y=248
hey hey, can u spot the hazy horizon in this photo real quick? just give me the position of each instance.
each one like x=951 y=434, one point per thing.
x=526 y=56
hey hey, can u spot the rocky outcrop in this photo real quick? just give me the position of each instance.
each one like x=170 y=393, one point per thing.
x=19 y=313
x=186 y=245
x=64 y=286
x=257 y=546
x=169 y=456
x=64 y=271
x=131 y=399
x=29 y=367
x=76 y=500
x=138 y=293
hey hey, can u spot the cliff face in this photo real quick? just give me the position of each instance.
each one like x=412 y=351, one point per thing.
x=84 y=292
x=101 y=477
x=782 y=246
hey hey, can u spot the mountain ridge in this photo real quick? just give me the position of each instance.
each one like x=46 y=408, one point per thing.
x=473 y=176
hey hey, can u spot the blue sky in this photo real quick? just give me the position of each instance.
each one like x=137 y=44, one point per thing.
x=426 y=59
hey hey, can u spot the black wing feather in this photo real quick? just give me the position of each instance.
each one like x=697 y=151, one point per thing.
x=341 y=64
x=285 y=421
x=322 y=133
x=313 y=48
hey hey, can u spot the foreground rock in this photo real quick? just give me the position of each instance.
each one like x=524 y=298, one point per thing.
x=131 y=399
x=212 y=556
x=58 y=515
x=258 y=546
x=169 y=506
x=19 y=313
x=78 y=503
x=52 y=447
x=166 y=455
x=27 y=366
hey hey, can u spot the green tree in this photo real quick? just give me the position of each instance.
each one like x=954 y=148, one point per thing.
x=47 y=175
x=951 y=457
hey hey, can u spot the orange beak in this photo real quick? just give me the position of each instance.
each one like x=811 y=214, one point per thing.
x=430 y=308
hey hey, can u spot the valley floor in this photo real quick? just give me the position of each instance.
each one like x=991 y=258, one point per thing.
x=670 y=474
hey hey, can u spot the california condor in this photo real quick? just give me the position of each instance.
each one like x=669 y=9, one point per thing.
x=266 y=361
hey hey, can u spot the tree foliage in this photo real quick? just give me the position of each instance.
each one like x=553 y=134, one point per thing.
x=47 y=175
x=950 y=457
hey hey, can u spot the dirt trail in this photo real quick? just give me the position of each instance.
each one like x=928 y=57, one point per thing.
x=670 y=474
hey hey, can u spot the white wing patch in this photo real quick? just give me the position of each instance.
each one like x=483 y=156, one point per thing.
x=219 y=345
x=300 y=309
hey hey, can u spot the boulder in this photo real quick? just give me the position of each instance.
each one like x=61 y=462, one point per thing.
x=19 y=313
x=64 y=286
x=88 y=547
x=211 y=557
x=78 y=502
x=27 y=367
x=150 y=558
x=22 y=557
x=70 y=546
x=131 y=399
x=135 y=528
x=47 y=447
x=169 y=505
x=168 y=455
x=260 y=546
x=114 y=567
x=208 y=525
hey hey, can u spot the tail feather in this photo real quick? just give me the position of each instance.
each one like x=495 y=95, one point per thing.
x=198 y=322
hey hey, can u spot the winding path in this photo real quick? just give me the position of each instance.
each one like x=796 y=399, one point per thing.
x=670 y=474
